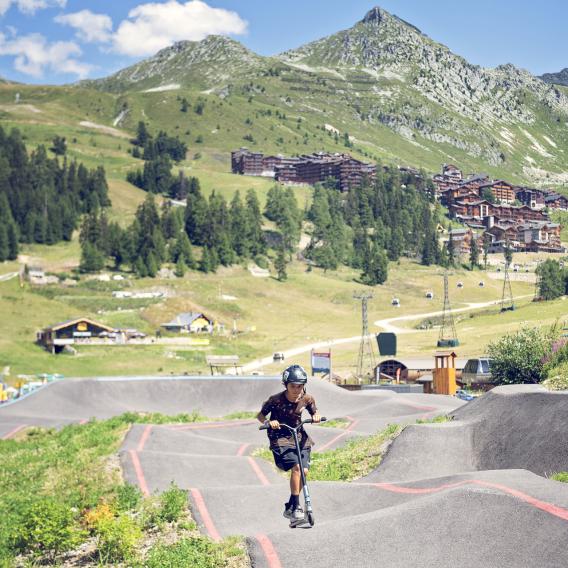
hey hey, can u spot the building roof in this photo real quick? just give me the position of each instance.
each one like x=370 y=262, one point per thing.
x=185 y=319
x=71 y=322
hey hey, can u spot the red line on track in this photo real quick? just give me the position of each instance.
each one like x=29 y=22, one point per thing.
x=333 y=440
x=143 y=438
x=139 y=472
x=242 y=449
x=258 y=471
x=204 y=513
x=13 y=432
x=84 y=421
x=537 y=503
x=269 y=551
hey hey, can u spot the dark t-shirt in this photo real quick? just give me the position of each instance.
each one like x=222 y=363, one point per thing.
x=286 y=412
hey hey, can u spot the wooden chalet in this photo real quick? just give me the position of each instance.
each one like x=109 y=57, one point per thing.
x=462 y=239
x=556 y=201
x=452 y=172
x=502 y=191
x=245 y=162
x=81 y=330
x=540 y=236
x=190 y=322
x=533 y=198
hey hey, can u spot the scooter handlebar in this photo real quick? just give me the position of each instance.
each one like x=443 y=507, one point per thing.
x=310 y=421
x=306 y=421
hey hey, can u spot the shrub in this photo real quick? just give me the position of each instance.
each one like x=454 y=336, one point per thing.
x=520 y=357
x=117 y=538
x=560 y=476
x=557 y=378
x=195 y=552
x=99 y=514
x=261 y=261
x=173 y=503
x=128 y=497
x=49 y=528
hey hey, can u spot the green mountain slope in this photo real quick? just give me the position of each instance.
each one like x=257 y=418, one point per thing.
x=215 y=61
x=392 y=92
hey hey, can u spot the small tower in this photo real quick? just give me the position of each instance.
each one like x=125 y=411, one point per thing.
x=507 y=303
x=448 y=336
x=366 y=360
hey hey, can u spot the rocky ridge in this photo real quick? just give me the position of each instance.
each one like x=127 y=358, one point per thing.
x=560 y=78
x=384 y=45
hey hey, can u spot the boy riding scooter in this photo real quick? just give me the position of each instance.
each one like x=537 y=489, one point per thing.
x=285 y=409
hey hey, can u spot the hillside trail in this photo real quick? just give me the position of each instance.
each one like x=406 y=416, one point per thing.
x=384 y=324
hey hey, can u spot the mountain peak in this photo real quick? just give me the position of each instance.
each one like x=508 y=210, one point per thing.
x=374 y=16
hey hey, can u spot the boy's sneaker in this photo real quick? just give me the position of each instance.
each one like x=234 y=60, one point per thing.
x=288 y=511
x=297 y=517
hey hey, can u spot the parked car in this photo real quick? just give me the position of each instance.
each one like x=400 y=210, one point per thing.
x=477 y=371
x=464 y=395
x=278 y=356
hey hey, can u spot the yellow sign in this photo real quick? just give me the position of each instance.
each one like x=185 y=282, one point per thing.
x=82 y=326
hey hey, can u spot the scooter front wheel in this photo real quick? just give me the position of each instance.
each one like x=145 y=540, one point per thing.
x=311 y=519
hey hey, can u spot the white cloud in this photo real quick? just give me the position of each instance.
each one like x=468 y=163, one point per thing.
x=30 y=6
x=90 y=27
x=151 y=27
x=33 y=54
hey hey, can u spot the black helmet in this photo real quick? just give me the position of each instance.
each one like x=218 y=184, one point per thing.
x=295 y=374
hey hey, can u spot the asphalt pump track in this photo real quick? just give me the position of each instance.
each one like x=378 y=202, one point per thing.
x=471 y=492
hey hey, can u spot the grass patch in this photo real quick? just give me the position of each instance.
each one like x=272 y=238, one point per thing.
x=240 y=416
x=560 y=476
x=64 y=488
x=355 y=459
x=436 y=420
x=337 y=423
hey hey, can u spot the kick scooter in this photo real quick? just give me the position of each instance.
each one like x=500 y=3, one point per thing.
x=308 y=512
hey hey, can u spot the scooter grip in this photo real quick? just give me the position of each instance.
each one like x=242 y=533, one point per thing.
x=264 y=427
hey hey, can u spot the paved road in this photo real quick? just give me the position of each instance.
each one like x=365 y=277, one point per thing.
x=8 y=276
x=464 y=493
x=384 y=324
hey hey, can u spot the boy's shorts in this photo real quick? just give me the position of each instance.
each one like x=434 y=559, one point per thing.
x=286 y=458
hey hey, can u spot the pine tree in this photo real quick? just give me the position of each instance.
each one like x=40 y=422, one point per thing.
x=486 y=245
x=59 y=147
x=4 y=244
x=180 y=268
x=253 y=217
x=13 y=246
x=183 y=251
x=151 y=265
x=551 y=280
x=325 y=258
x=239 y=230
x=474 y=253
x=280 y=264
x=140 y=267
x=375 y=270
x=196 y=219
x=396 y=244
x=205 y=262
x=451 y=249
x=142 y=135
x=92 y=259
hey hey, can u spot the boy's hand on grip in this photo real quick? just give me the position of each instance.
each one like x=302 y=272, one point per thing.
x=274 y=424
x=316 y=418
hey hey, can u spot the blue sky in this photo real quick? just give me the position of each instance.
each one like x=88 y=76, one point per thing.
x=59 y=41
